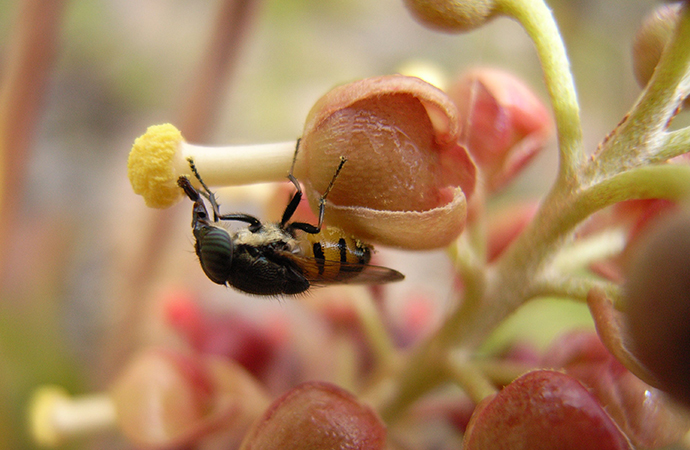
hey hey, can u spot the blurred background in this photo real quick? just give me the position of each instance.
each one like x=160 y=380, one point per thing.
x=84 y=265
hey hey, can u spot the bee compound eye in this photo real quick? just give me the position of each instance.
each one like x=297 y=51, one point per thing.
x=215 y=248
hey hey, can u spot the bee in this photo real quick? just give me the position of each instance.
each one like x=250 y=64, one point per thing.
x=283 y=258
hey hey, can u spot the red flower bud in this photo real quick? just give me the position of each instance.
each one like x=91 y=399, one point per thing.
x=316 y=416
x=406 y=180
x=507 y=125
x=505 y=225
x=657 y=310
x=543 y=409
x=168 y=400
x=641 y=411
x=226 y=334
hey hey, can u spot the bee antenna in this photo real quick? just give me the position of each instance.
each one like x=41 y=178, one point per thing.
x=343 y=160
x=294 y=157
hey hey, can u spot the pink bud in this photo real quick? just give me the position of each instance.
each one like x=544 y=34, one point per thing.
x=406 y=180
x=505 y=225
x=506 y=124
x=543 y=410
x=641 y=411
x=168 y=400
x=453 y=16
x=226 y=334
x=317 y=416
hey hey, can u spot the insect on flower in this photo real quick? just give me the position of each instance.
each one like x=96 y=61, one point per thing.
x=278 y=258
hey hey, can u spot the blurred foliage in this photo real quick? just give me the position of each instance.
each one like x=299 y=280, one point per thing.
x=124 y=65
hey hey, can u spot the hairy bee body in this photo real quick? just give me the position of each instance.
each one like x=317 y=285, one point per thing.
x=271 y=261
x=284 y=258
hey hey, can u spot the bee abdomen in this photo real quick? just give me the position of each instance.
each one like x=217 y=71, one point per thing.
x=333 y=245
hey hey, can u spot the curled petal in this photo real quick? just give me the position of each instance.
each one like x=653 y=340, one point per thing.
x=507 y=124
x=414 y=230
x=611 y=329
x=400 y=138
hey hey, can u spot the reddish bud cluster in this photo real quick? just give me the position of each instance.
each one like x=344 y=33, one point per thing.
x=408 y=175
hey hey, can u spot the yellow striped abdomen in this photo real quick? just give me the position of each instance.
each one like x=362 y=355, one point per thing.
x=332 y=244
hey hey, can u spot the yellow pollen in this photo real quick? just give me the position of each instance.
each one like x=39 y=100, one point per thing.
x=150 y=166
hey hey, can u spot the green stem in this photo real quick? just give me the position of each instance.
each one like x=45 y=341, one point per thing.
x=424 y=370
x=572 y=287
x=587 y=249
x=675 y=143
x=540 y=25
x=637 y=140
x=668 y=181
x=384 y=350
x=513 y=280
x=501 y=371
x=470 y=378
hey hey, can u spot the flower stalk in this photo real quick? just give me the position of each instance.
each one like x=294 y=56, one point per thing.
x=538 y=22
x=55 y=417
x=160 y=156
x=642 y=135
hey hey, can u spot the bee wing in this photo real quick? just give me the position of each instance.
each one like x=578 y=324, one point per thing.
x=322 y=272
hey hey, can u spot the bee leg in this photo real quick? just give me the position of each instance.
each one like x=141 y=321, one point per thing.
x=206 y=191
x=297 y=196
x=292 y=206
x=186 y=185
x=254 y=223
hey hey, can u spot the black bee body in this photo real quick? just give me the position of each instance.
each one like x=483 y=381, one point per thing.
x=284 y=258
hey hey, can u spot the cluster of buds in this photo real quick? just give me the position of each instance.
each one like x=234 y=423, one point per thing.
x=422 y=166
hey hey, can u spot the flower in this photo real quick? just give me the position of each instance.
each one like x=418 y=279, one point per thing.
x=407 y=179
x=507 y=125
x=166 y=399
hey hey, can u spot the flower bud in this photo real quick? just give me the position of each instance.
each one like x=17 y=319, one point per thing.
x=227 y=334
x=644 y=413
x=543 y=409
x=651 y=38
x=316 y=415
x=507 y=125
x=506 y=224
x=168 y=400
x=406 y=180
x=452 y=15
x=657 y=310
